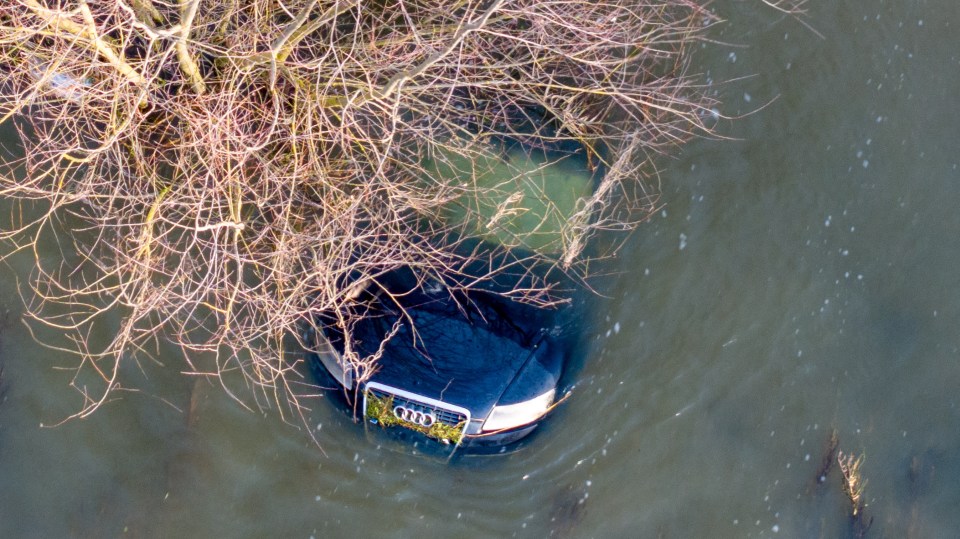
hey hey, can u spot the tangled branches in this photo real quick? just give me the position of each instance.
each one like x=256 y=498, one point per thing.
x=221 y=172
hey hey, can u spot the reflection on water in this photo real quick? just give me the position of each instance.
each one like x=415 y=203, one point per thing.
x=802 y=280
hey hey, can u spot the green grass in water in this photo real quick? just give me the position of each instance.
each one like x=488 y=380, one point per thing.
x=381 y=411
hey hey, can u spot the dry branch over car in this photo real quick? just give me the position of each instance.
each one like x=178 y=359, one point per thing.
x=220 y=172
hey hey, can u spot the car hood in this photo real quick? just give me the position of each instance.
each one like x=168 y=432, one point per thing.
x=445 y=357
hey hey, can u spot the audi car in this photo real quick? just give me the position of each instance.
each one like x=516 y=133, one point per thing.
x=464 y=369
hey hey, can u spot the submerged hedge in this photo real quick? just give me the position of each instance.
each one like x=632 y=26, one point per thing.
x=218 y=173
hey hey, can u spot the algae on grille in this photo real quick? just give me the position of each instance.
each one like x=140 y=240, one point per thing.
x=380 y=411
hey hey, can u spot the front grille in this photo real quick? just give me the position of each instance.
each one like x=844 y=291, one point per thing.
x=448 y=417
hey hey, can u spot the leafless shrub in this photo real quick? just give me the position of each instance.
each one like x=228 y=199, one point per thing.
x=853 y=486
x=853 y=482
x=221 y=172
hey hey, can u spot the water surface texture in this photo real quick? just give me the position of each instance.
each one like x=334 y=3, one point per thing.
x=803 y=279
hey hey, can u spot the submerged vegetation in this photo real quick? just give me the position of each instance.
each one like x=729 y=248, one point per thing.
x=853 y=486
x=828 y=456
x=380 y=411
x=852 y=482
x=221 y=173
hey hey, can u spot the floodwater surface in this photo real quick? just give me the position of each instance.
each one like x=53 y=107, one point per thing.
x=801 y=283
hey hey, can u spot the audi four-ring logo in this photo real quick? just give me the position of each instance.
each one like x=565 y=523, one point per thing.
x=416 y=417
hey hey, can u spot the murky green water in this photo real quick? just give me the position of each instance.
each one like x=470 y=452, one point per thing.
x=803 y=278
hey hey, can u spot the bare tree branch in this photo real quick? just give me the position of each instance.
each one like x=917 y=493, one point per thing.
x=188 y=12
x=59 y=22
x=227 y=174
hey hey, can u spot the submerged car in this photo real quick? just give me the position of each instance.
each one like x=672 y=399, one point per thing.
x=466 y=369
x=469 y=368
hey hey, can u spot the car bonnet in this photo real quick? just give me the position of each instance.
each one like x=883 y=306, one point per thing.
x=446 y=356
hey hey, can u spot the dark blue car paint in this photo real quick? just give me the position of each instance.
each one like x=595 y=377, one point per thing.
x=472 y=350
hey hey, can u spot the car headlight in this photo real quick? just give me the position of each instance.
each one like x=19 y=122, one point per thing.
x=515 y=415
